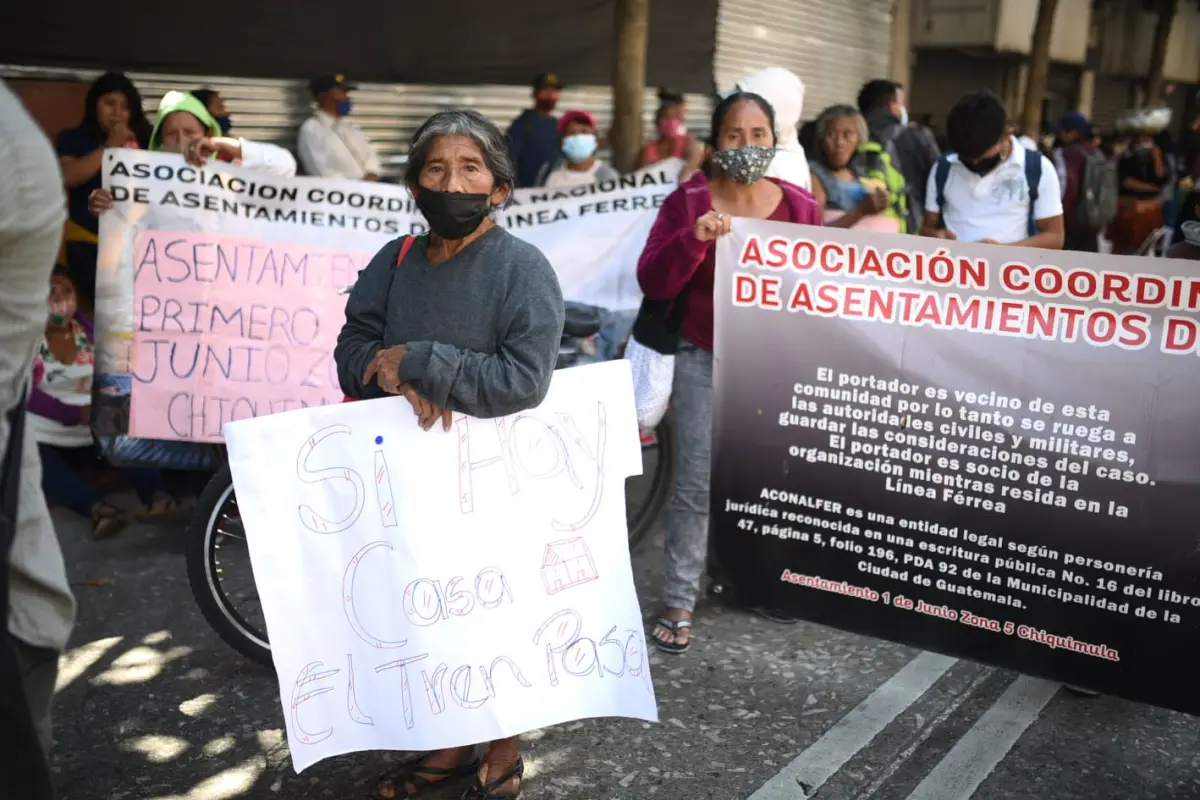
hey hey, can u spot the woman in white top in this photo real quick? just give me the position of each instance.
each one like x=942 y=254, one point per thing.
x=60 y=414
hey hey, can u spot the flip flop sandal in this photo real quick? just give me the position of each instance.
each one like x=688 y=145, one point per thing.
x=423 y=779
x=489 y=791
x=107 y=521
x=674 y=626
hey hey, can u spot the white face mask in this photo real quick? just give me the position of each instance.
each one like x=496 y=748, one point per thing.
x=904 y=117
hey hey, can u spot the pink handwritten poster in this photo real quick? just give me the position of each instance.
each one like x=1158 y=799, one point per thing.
x=230 y=328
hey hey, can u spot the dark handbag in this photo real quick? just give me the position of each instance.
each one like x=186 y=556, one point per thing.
x=25 y=772
x=658 y=322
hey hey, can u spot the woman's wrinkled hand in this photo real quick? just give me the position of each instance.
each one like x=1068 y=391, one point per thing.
x=427 y=412
x=712 y=225
x=99 y=201
x=385 y=367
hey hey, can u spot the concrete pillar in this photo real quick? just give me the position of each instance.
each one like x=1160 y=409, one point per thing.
x=1016 y=76
x=1087 y=92
x=900 y=68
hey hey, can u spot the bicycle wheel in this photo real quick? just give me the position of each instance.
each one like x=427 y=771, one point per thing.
x=218 y=563
x=646 y=495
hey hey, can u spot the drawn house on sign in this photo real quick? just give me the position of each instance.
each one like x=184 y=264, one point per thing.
x=567 y=563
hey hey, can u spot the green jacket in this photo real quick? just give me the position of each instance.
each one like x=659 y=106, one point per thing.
x=181 y=101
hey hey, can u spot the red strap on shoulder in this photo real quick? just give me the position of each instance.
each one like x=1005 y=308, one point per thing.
x=405 y=246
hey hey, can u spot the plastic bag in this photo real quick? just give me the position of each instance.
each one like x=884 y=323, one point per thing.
x=653 y=376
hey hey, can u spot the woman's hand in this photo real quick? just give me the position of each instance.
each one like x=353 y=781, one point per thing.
x=874 y=203
x=201 y=150
x=386 y=367
x=118 y=135
x=99 y=201
x=712 y=225
x=427 y=413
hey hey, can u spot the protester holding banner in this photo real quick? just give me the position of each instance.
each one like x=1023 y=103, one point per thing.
x=854 y=179
x=112 y=117
x=466 y=319
x=991 y=189
x=678 y=265
x=186 y=126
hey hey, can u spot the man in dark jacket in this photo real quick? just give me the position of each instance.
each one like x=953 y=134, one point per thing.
x=914 y=150
x=533 y=141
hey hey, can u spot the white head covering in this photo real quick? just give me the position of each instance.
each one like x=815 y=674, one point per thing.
x=785 y=92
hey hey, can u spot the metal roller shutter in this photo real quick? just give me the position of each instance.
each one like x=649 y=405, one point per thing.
x=272 y=110
x=835 y=46
x=1112 y=98
x=942 y=77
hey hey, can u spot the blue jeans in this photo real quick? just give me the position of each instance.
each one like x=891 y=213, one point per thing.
x=62 y=486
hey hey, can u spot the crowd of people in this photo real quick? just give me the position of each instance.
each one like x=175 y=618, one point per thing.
x=865 y=166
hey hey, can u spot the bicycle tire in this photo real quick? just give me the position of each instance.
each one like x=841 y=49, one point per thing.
x=200 y=553
x=662 y=483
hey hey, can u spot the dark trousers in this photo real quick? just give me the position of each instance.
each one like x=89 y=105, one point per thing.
x=63 y=486
x=1082 y=242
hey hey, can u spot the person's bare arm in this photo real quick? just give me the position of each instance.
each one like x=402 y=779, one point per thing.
x=1050 y=236
x=78 y=170
x=931 y=226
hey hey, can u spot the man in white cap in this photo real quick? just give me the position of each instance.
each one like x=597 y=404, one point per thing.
x=785 y=92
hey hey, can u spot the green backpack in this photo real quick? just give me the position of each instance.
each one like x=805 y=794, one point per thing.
x=874 y=163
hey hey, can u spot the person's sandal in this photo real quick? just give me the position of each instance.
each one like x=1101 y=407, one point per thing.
x=674 y=626
x=422 y=778
x=107 y=521
x=490 y=790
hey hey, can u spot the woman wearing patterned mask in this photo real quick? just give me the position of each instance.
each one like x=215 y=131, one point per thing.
x=678 y=265
x=185 y=126
x=578 y=165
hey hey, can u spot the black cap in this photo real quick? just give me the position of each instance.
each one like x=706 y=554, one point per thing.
x=325 y=83
x=547 y=80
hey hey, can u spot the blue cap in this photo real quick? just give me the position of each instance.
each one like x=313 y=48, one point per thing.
x=1075 y=121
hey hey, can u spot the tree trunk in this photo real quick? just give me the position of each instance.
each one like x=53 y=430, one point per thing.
x=1158 y=55
x=1039 y=69
x=629 y=81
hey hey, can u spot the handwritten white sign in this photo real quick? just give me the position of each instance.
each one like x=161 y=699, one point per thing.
x=433 y=589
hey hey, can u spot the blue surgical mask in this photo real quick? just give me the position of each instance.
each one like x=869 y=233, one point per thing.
x=579 y=147
x=225 y=124
x=343 y=107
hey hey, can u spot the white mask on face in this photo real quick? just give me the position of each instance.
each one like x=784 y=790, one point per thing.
x=904 y=117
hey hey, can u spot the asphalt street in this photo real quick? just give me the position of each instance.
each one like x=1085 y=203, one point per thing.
x=153 y=706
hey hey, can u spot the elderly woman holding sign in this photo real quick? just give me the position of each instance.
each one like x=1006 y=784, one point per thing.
x=464 y=319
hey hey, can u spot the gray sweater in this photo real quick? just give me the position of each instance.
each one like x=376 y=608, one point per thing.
x=482 y=328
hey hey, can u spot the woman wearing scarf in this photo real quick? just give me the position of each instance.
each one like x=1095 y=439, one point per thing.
x=186 y=126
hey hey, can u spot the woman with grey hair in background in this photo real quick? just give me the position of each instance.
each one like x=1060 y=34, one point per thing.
x=854 y=180
x=465 y=318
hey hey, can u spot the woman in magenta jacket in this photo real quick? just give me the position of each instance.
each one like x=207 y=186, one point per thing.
x=678 y=264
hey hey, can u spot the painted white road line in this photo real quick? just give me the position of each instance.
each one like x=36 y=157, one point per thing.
x=904 y=755
x=977 y=753
x=821 y=761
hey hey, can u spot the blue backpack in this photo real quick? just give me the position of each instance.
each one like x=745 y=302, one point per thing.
x=1033 y=177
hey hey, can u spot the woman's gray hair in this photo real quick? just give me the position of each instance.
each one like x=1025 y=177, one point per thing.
x=830 y=115
x=472 y=125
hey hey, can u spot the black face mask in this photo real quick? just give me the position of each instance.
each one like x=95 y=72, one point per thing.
x=983 y=166
x=453 y=215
